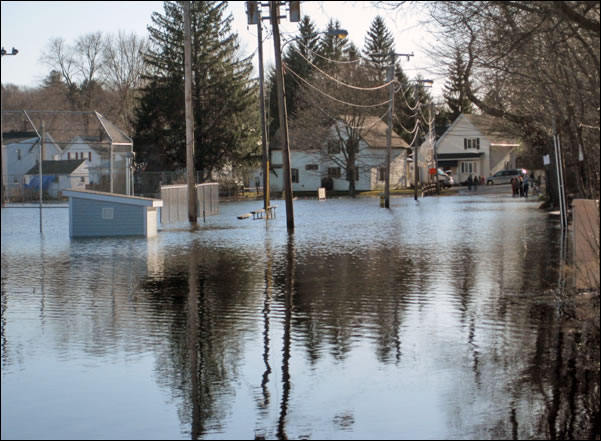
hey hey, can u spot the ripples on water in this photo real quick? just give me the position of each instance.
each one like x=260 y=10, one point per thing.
x=429 y=320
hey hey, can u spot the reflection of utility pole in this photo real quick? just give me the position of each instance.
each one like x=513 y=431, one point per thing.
x=189 y=116
x=289 y=293
x=390 y=77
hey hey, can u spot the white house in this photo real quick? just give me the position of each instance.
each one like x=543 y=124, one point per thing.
x=313 y=168
x=21 y=151
x=476 y=145
x=58 y=176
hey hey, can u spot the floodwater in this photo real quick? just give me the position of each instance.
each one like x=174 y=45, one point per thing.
x=431 y=320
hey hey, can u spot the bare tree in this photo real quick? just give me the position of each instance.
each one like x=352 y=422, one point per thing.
x=536 y=65
x=334 y=117
x=124 y=68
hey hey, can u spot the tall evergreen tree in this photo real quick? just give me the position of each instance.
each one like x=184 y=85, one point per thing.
x=378 y=45
x=333 y=47
x=226 y=123
x=454 y=90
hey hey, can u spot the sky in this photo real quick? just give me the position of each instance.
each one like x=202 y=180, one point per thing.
x=29 y=25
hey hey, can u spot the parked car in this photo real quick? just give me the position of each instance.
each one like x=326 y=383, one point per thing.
x=444 y=179
x=505 y=176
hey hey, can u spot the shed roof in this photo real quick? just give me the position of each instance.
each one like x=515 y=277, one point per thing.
x=113 y=197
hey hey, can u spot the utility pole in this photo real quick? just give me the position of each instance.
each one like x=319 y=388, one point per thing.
x=192 y=217
x=434 y=143
x=283 y=117
x=42 y=146
x=2 y=195
x=390 y=77
x=417 y=141
x=255 y=17
x=266 y=195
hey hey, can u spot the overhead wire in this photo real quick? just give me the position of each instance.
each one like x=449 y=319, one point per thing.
x=337 y=119
x=365 y=106
x=340 y=82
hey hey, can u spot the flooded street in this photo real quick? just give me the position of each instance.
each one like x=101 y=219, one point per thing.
x=431 y=320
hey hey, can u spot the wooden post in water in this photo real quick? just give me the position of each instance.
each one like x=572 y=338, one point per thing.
x=192 y=216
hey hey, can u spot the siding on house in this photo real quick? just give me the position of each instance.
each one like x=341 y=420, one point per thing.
x=368 y=162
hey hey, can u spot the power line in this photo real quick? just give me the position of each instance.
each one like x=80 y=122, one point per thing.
x=340 y=82
x=331 y=97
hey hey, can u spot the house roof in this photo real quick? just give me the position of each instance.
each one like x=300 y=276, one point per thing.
x=375 y=136
x=373 y=133
x=14 y=137
x=56 y=167
x=495 y=129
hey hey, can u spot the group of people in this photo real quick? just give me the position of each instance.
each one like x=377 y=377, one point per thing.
x=474 y=181
x=520 y=185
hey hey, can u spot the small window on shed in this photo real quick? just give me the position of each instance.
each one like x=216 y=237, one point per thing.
x=108 y=213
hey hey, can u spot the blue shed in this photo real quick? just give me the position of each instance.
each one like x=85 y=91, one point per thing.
x=96 y=214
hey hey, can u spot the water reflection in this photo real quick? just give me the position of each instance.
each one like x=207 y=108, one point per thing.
x=391 y=325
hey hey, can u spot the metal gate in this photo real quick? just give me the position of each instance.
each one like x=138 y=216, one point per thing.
x=175 y=202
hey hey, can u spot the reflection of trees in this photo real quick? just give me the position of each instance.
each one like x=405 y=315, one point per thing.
x=201 y=289
x=551 y=374
x=337 y=294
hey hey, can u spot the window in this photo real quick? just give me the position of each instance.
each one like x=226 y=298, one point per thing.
x=467 y=167
x=82 y=180
x=294 y=174
x=382 y=174
x=333 y=147
x=311 y=167
x=90 y=156
x=334 y=172
x=471 y=143
x=68 y=156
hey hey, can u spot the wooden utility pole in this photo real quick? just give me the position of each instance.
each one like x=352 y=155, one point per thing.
x=266 y=202
x=42 y=146
x=389 y=77
x=283 y=117
x=192 y=217
x=416 y=147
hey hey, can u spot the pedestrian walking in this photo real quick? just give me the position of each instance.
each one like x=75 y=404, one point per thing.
x=469 y=183
x=476 y=179
x=525 y=185
x=521 y=186
x=514 y=187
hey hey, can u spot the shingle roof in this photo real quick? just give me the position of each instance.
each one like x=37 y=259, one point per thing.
x=57 y=167
x=375 y=136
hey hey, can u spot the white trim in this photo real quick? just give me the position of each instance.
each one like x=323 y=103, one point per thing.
x=112 y=197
